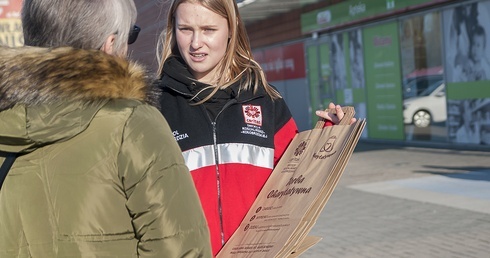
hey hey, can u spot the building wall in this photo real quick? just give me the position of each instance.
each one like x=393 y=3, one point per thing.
x=281 y=28
x=427 y=51
x=10 y=23
x=152 y=18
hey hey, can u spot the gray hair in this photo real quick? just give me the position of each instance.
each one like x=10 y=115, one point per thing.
x=82 y=24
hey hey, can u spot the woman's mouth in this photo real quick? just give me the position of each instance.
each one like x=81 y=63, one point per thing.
x=198 y=55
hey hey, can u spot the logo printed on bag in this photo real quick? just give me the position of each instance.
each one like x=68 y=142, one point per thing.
x=252 y=114
x=297 y=156
x=327 y=149
x=301 y=148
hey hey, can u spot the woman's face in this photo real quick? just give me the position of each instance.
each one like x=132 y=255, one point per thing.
x=202 y=39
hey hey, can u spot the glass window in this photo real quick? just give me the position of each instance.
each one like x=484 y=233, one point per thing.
x=424 y=98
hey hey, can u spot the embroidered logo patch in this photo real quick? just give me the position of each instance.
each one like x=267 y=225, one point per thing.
x=252 y=114
x=179 y=136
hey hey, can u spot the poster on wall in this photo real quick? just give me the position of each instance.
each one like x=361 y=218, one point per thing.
x=348 y=77
x=10 y=23
x=338 y=61
x=326 y=90
x=467 y=29
x=467 y=62
x=283 y=62
x=355 y=94
x=383 y=82
x=469 y=121
x=356 y=59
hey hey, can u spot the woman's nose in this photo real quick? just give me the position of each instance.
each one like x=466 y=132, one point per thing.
x=196 y=41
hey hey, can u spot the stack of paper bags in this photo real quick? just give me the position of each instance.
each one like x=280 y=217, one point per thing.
x=287 y=207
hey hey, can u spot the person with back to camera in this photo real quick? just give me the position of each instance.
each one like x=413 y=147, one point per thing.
x=98 y=172
x=231 y=125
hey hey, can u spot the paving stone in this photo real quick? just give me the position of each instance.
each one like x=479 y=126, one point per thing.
x=356 y=223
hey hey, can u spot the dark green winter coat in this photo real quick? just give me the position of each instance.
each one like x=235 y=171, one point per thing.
x=100 y=174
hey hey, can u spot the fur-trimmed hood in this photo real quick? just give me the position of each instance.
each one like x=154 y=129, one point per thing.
x=31 y=76
x=47 y=95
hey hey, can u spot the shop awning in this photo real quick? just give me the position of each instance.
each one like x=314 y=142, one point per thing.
x=256 y=10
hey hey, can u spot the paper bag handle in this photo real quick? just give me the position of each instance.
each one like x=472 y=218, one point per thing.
x=349 y=113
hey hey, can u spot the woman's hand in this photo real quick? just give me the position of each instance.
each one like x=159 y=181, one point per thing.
x=334 y=118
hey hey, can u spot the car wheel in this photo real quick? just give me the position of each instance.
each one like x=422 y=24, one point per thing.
x=421 y=118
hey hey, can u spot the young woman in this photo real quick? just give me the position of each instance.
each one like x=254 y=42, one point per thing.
x=231 y=125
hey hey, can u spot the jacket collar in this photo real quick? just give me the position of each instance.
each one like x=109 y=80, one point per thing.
x=177 y=77
x=32 y=75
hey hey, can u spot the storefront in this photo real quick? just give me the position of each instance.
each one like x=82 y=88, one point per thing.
x=418 y=70
x=10 y=23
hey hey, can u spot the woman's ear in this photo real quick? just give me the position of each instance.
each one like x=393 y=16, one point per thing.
x=108 y=45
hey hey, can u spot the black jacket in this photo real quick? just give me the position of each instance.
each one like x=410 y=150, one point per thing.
x=230 y=144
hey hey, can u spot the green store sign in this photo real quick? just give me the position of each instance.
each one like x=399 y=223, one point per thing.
x=353 y=10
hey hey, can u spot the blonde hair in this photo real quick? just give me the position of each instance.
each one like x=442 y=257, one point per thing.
x=237 y=64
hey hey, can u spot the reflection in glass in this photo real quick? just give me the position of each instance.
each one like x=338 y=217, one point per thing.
x=424 y=98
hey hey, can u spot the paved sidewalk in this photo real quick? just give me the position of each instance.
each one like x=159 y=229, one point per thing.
x=397 y=201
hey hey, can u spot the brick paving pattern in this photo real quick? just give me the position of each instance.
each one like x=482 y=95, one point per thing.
x=360 y=224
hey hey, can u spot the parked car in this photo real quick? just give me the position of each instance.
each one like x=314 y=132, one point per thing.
x=428 y=107
x=416 y=85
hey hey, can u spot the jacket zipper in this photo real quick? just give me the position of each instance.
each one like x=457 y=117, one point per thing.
x=218 y=175
x=216 y=163
x=218 y=183
x=216 y=159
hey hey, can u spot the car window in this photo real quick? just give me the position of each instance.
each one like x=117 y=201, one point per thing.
x=430 y=89
x=418 y=85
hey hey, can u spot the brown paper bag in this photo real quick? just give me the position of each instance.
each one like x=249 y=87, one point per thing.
x=287 y=207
